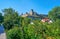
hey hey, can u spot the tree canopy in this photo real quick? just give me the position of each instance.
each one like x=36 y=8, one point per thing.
x=54 y=13
x=11 y=18
x=1 y=18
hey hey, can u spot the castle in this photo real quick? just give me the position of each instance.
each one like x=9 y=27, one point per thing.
x=31 y=13
x=34 y=15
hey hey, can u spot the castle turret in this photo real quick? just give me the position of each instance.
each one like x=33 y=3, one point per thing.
x=25 y=15
x=31 y=12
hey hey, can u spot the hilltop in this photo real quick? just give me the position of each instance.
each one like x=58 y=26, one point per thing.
x=34 y=15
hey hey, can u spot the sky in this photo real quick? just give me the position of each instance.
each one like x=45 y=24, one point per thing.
x=22 y=6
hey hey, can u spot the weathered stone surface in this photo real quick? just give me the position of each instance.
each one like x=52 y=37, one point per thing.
x=2 y=36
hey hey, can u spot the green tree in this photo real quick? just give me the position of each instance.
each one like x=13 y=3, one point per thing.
x=1 y=18
x=54 y=13
x=11 y=18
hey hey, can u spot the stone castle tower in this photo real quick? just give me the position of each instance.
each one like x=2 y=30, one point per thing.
x=31 y=12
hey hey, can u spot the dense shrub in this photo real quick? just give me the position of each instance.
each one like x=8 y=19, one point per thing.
x=14 y=33
x=38 y=30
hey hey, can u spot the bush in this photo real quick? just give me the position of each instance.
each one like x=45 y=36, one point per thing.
x=14 y=33
x=37 y=30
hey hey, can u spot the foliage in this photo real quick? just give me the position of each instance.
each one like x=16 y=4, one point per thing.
x=1 y=18
x=54 y=13
x=14 y=33
x=11 y=18
x=21 y=28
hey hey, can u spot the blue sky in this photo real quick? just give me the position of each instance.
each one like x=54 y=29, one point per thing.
x=22 y=6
